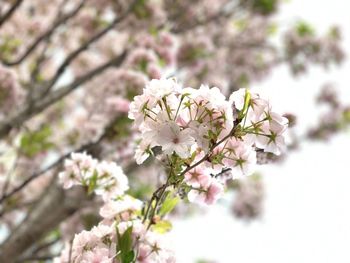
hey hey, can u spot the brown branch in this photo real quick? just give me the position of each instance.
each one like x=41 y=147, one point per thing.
x=31 y=110
x=32 y=177
x=10 y=12
x=53 y=206
x=42 y=56
x=225 y=12
x=45 y=245
x=55 y=164
x=8 y=177
x=86 y=45
x=45 y=35
x=37 y=258
x=15 y=206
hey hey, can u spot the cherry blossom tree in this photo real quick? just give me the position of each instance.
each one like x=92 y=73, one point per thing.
x=115 y=114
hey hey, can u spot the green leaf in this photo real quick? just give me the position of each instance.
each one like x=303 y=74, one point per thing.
x=265 y=7
x=8 y=46
x=240 y=24
x=168 y=205
x=129 y=257
x=272 y=29
x=34 y=142
x=140 y=10
x=124 y=246
x=162 y=226
x=304 y=29
x=121 y=127
x=247 y=98
x=92 y=182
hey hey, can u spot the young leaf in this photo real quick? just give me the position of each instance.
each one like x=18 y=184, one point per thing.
x=168 y=205
x=34 y=142
x=92 y=182
x=124 y=246
x=247 y=98
x=162 y=226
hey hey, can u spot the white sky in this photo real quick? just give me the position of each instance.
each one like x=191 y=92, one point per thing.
x=307 y=212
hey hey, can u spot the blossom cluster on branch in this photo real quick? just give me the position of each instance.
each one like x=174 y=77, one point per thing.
x=199 y=135
x=104 y=178
x=121 y=236
x=68 y=73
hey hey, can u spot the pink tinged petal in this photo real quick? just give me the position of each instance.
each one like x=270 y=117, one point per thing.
x=213 y=193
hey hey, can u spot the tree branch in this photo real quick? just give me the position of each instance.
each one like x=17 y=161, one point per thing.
x=226 y=11
x=86 y=147
x=10 y=12
x=53 y=206
x=45 y=35
x=37 y=107
x=87 y=44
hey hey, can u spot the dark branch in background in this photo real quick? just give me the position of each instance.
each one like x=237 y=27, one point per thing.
x=37 y=259
x=52 y=207
x=45 y=245
x=226 y=11
x=45 y=35
x=62 y=92
x=41 y=58
x=55 y=164
x=86 y=45
x=40 y=105
x=32 y=92
x=15 y=206
x=8 y=178
x=10 y=12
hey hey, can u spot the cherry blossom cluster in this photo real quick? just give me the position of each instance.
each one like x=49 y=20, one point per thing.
x=336 y=117
x=200 y=133
x=48 y=47
x=249 y=197
x=121 y=236
x=304 y=47
x=104 y=178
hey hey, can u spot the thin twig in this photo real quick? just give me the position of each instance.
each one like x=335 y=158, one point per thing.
x=38 y=258
x=86 y=45
x=10 y=12
x=8 y=177
x=48 y=41
x=224 y=12
x=28 y=112
x=45 y=35
x=158 y=194
x=51 y=166
x=45 y=245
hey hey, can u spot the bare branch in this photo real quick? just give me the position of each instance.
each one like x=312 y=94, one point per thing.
x=45 y=35
x=39 y=106
x=37 y=258
x=52 y=207
x=8 y=177
x=226 y=11
x=35 y=175
x=10 y=12
x=87 y=44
